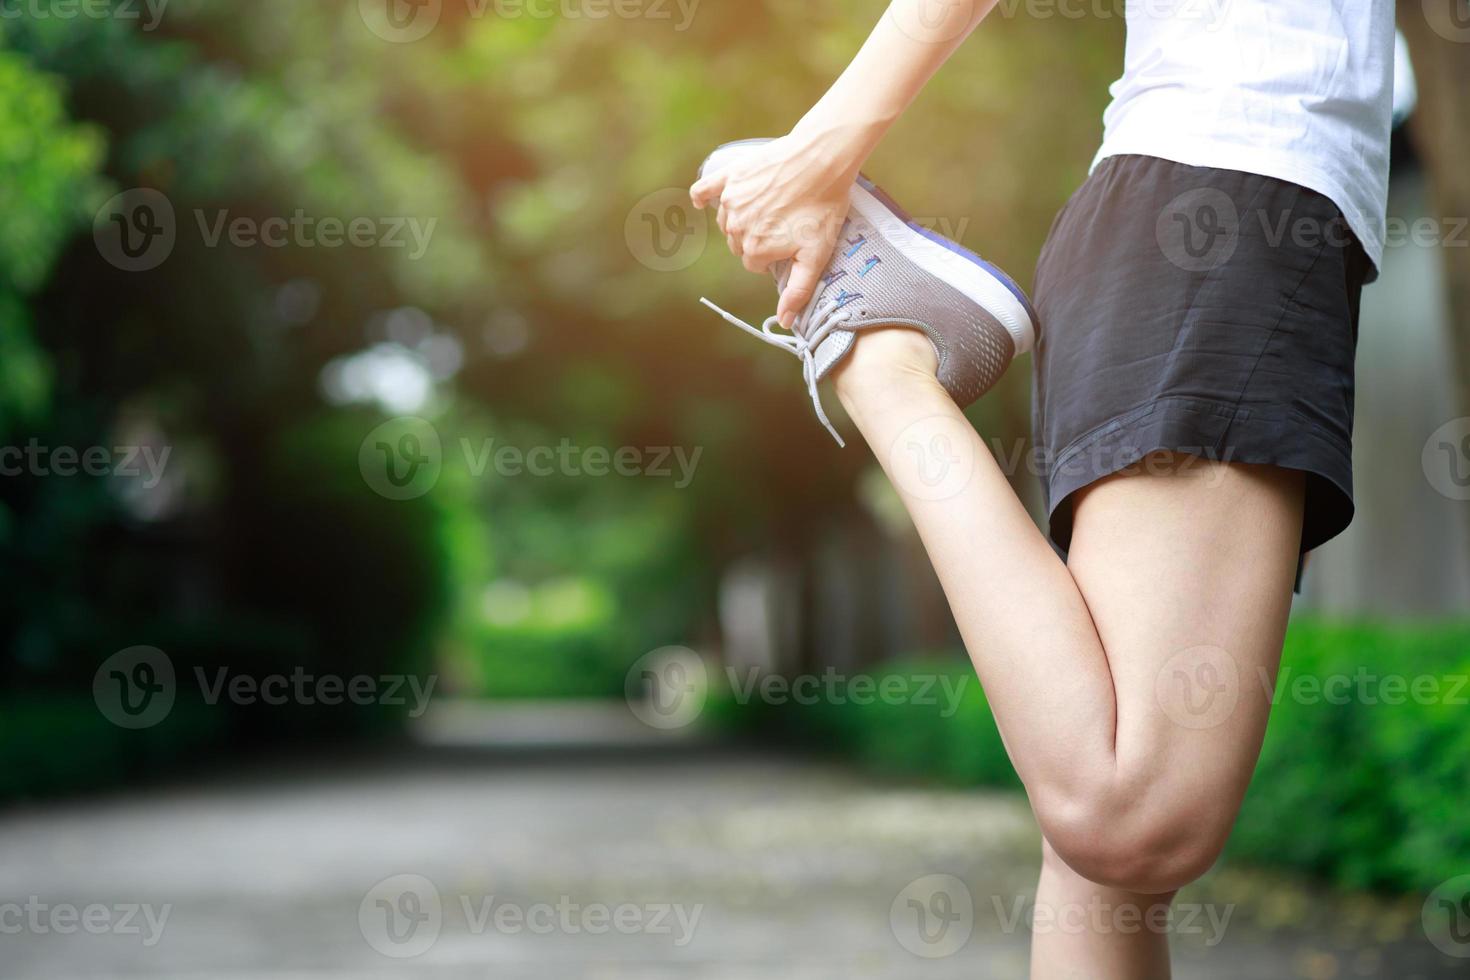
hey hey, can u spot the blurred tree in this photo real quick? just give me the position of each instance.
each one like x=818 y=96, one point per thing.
x=534 y=145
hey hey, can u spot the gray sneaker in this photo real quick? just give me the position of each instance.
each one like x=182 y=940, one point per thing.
x=888 y=270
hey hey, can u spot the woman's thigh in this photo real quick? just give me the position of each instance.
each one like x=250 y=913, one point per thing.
x=1187 y=566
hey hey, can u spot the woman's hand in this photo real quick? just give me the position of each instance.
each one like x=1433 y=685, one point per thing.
x=785 y=199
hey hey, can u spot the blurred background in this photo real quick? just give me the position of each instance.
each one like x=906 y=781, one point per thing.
x=402 y=575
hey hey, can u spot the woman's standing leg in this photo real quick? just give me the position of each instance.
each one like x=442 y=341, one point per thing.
x=1086 y=931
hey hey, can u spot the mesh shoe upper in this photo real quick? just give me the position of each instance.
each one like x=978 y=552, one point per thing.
x=877 y=277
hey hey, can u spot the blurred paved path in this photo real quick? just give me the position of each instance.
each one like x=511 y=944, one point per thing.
x=792 y=869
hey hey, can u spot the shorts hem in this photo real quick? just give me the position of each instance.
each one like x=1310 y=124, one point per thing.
x=1210 y=430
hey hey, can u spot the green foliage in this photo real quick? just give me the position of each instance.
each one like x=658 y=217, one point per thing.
x=58 y=745
x=1361 y=780
x=47 y=187
x=47 y=167
x=1364 y=777
x=943 y=731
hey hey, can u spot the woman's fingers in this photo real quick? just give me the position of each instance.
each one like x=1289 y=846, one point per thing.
x=755 y=262
x=805 y=272
x=708 y=189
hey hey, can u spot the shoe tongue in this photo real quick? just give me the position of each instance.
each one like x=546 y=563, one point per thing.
x=782 y=271
x=838 y=342
x=831 y=350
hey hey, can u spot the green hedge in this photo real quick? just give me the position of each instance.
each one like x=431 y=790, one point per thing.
x=1366 y=791
x=56 y=745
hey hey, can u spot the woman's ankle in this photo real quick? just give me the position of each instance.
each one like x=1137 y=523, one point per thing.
x=884 y=363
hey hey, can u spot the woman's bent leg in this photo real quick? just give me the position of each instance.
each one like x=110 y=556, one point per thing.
x=1131 y=687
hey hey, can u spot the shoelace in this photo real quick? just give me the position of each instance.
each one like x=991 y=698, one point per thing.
x=828 y=317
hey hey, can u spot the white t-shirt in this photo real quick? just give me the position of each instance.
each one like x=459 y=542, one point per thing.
x=1299 y=90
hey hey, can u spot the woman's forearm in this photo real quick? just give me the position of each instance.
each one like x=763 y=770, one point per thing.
x=788 y=198
x=912 y=40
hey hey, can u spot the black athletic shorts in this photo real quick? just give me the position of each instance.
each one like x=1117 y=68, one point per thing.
x=1201 y=311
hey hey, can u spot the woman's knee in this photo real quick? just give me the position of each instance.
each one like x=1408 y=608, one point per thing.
x=1134 y=846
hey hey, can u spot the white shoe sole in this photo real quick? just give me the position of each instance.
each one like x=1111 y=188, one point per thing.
x=960 y=272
